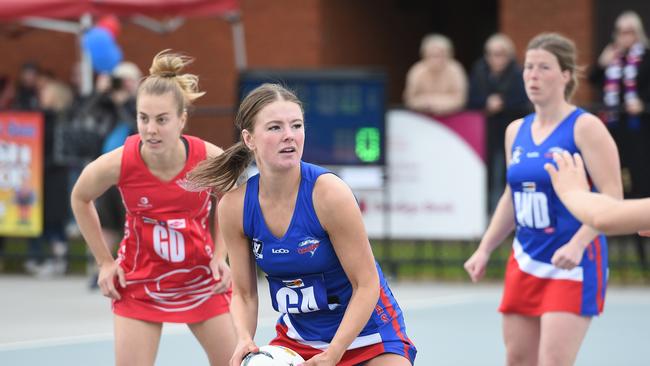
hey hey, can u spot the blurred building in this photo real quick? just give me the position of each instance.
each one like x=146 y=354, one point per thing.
x=328 y=33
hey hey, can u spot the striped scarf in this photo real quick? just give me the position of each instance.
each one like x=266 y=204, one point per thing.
x=626 y=69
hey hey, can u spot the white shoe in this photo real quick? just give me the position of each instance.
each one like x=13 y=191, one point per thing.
x=52 y=268
x=72 y=230
x=32 y=267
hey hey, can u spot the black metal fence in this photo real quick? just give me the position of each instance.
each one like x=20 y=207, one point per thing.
x=435 y=259
x=404 y=259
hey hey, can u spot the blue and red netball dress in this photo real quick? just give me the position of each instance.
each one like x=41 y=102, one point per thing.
x=533 y=286
x=167 y=244
x=309 y=287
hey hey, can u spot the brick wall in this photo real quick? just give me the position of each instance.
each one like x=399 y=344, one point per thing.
x=311 y=34
x=573 y=19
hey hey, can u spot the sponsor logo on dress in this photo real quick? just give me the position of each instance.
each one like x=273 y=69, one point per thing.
x=144 y=202
x=279 y=251
x=258 y=246
x=308 y=246
x=176 y=223
x=516 y=155
x=298 y=282
x=528 y=186
x=532 y=154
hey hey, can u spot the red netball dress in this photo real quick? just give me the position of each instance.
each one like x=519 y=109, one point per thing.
x=167 y=244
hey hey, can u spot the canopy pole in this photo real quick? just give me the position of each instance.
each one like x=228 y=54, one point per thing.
x=51 y=24
x=85 y=63
x=238 y=40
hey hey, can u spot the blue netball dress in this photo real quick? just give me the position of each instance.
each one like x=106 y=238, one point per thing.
x=533 y=286
x=308 y=285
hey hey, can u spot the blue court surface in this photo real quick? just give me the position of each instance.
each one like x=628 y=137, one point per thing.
x=60 y=322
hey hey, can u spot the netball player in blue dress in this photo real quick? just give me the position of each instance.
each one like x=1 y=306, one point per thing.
x=556 y=276
x=303 y=228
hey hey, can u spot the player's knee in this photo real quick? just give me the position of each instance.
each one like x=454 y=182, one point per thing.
x=555 y=358
x=520 y=357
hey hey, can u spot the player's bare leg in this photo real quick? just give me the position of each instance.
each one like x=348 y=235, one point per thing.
x=215 y=338
x=136 y=341
x=562 y=335
x=521 y=336
x=388 y=359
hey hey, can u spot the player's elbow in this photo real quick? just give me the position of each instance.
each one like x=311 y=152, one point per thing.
x=603 y=222
x=75 y=197
x=369 y=286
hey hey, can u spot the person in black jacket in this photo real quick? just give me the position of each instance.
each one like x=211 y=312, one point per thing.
x=55 y=98
x=497 y=88
x=26 y=94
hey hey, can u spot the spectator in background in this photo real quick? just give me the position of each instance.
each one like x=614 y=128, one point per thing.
x=122 y=93
x=496 y=87
x=623 y=73
x=6 y=92
x=55 y=99
x=26 y=97
x=6 y=96
x=125 y=79
x=437 y=84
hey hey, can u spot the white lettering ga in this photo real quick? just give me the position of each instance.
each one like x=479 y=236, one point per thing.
x=289 y=300
x=169 y=244
x=531 y=209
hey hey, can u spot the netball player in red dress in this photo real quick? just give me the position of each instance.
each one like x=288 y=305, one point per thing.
x=168 y=269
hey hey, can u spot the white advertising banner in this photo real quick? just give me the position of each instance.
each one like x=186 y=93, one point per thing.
x=436 y=179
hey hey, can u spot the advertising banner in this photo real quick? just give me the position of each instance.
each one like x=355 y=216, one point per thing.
x=21 y=174
x=436 y=186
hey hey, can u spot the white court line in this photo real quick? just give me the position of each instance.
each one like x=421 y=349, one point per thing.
x=440 y=301
x=266 y=321
x=406 y=304
x=54 y=342
x=168 y=329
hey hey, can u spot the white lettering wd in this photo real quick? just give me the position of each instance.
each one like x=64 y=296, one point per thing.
x=531 y=209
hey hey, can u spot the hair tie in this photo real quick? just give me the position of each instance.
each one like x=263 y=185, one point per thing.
x=168 y=74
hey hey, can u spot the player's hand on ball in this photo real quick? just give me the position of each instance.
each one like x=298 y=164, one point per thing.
x=241 y=350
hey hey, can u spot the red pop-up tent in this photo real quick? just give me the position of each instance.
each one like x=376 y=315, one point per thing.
x=61 y=9
x=57 y=14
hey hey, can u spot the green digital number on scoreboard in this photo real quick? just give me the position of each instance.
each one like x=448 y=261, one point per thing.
x=368 y=144
x=344 y=112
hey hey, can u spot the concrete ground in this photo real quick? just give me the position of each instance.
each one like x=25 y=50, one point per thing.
x=60 y=322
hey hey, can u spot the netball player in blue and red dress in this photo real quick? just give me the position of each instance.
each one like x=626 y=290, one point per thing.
x=168 y=269
x=302 y=226
x=556 y=276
